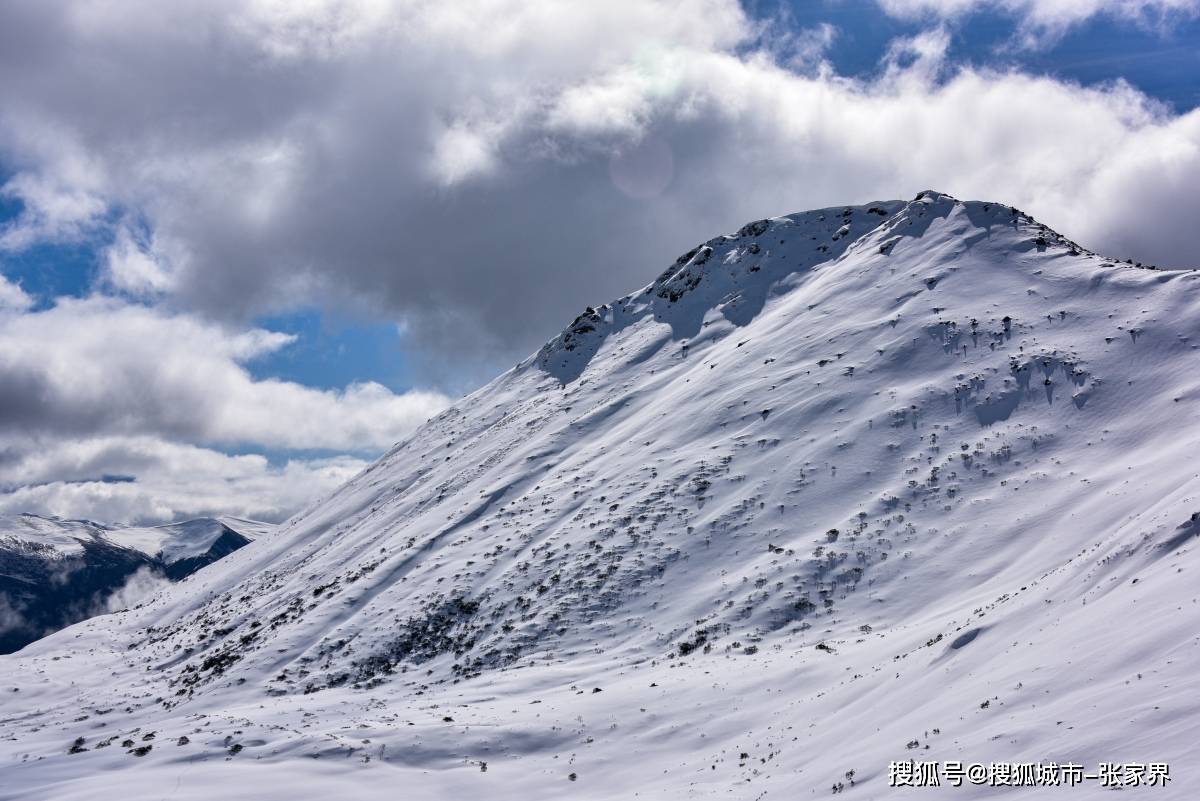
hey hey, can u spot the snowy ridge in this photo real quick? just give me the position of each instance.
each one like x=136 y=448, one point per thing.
x=52 y=536
x=174 y=542
x=54 y=572
x=846 y=487
x=169 y=543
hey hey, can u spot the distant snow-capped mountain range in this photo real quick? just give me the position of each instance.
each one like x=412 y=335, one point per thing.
x=54 y=572
x=900 y=481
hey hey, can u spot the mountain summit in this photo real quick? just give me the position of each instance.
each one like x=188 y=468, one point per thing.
x=907 y=480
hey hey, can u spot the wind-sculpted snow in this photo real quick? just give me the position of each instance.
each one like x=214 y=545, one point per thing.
x=853 y=486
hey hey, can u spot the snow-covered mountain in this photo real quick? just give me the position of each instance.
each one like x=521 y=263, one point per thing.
x=847 y=487
x=55 y=572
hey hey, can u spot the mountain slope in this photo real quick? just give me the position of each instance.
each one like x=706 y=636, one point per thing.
x=904 y=480
x=55 y=572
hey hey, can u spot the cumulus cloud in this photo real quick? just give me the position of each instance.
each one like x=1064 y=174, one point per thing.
x=51 y=212
x=916 y=61
x=477 y=171
x=147 y=480
x=117 y=411
x=136 y=267
x=12 y=297
x=100 y=365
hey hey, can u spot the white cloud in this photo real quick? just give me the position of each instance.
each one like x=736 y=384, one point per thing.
x=809 y=45
x=138 y=587
x=100 y=365
x=460 y=153
x=12 y=297
x=145 y=479
x=11 y=617
x=60 y=185
x=1047 y=19
x=110 y=410
x=135 y=267
x=52 y=210
x=290 y=29
x=918 y=60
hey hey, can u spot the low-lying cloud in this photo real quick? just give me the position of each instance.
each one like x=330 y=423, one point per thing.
x=100 y=365
x=73 y=478
x=140 y=585
x=97 y=388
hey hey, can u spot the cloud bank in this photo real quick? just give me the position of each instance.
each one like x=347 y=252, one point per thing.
x=118 y=411
x=151 y=480
x=102 y=366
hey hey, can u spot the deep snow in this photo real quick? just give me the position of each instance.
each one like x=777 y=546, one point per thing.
x=903 y=480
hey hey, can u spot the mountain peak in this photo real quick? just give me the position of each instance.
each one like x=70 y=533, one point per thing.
x=778 y=517
x=734 y=274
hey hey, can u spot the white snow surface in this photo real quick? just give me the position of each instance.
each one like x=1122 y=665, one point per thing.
x=905 y=480
x=52 y=537
x=58 y=538
x=176 y=541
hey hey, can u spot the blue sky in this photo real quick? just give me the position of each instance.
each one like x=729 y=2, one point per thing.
x=1162 y=61
x=236 y=266
x=332 y=348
